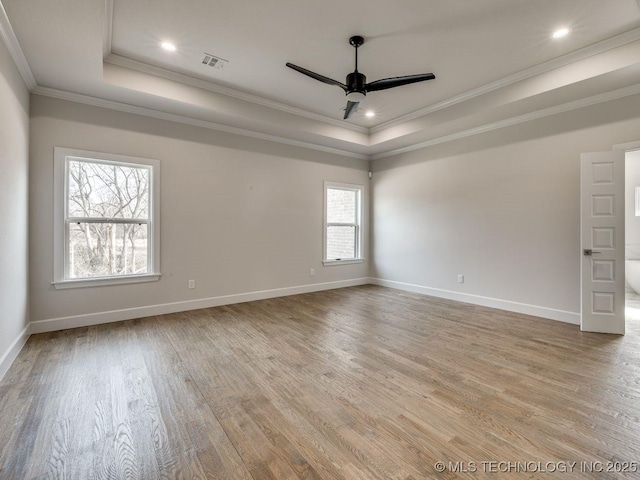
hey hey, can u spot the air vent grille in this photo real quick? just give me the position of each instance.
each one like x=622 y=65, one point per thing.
x=213 y=61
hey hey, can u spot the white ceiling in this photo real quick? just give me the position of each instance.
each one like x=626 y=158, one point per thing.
x=495 y=61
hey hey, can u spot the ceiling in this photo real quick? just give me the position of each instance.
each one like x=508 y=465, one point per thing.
x=494 y=60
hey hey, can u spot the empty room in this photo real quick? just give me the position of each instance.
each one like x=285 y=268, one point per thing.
x=319 y=240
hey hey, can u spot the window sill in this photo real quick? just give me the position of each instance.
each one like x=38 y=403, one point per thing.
x=331 y=263
x=105 y=281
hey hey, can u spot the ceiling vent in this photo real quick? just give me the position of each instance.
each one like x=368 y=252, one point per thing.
x=214 y=62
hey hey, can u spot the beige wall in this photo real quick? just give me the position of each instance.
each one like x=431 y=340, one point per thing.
x=14 y=164
x=241 y=215
x=501 y=208
x=237 y=215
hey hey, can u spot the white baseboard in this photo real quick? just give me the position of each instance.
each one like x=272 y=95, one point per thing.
x=50 y=325
x=14 y=349
x=544 y=312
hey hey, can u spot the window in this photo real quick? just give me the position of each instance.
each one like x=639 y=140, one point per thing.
x=342 y=223
x=106 y=219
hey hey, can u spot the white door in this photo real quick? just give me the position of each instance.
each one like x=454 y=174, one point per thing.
x=602 y=219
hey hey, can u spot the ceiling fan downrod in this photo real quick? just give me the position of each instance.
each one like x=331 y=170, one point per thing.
x=356 y=81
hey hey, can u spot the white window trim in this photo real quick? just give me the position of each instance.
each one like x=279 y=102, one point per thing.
x=359 y=257
x=59 y=243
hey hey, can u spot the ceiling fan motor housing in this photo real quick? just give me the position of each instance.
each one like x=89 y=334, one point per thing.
x=356 y=82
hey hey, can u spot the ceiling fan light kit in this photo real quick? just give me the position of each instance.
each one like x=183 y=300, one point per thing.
x=355 y=96
x=356 y=86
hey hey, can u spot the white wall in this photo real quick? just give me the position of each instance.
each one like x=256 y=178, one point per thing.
x=501 y=208
x=237 y=215
x=632 y=223
x=14 y=163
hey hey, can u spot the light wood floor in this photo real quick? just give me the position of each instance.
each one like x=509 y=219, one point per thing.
x=357 y=383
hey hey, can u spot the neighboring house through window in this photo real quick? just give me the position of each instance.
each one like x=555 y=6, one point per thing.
x=342 y=223
x=106 y=219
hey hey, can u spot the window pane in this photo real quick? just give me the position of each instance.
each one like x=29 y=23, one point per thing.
x=107 y=249
x=341 y=243
x=341 y=206
x=107 y=191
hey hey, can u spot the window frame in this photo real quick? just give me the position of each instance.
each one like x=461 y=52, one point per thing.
x=61 y=278
x=359 y=189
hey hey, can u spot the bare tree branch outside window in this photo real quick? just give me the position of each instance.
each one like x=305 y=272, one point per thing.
x=107 y=219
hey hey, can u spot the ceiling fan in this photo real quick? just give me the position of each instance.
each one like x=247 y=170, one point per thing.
x=356 y=86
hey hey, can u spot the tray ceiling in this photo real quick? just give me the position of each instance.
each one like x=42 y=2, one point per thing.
x=494 y=59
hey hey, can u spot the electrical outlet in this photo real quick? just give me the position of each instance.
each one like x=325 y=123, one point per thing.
x=192 y=284
x=312 y=272
x=460 y=278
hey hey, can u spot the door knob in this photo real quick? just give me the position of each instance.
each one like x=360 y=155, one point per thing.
x=588 y=252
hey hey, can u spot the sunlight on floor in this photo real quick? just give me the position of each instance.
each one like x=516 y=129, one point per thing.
x=632 y=306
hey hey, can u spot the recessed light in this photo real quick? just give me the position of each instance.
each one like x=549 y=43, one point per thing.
x=170 y=47
x=562 y=32
x=370 y=114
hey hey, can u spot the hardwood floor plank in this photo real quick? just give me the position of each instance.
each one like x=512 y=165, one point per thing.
x=281 y=445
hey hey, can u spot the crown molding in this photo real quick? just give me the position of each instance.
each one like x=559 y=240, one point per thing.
x=11 y=41
x=147 y=112
x=107 y=34
x=127 y=62
x=567 y=59
x=628 y=147
x=546 y=112
x=619 y=40
x=572 y=57
x=527 y=117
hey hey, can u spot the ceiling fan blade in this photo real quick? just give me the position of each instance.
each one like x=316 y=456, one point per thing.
x=397 y=81
x=317 y=76
x=351 y=107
